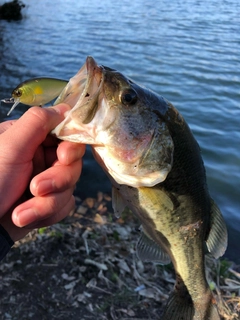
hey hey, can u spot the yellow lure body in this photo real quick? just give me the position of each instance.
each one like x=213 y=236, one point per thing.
x=36 y=92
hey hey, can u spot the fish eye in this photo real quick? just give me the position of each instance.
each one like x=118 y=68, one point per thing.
x=129 y=97
x=18 y=93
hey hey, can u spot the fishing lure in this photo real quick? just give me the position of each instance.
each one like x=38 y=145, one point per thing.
x=36 y=91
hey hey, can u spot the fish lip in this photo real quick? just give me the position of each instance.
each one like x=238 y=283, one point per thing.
x=91 y=64
x=93 y=81
x=87 y=83
x=94 y=72
x=91 y=91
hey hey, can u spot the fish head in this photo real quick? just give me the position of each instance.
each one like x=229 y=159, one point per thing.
x=123 y=122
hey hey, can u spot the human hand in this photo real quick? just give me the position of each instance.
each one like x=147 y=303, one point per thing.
x=30 y=159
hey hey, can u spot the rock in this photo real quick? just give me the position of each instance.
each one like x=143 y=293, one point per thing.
x=11 y=10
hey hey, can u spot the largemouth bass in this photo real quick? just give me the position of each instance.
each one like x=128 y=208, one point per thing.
x=155 y=167
x=36 y=92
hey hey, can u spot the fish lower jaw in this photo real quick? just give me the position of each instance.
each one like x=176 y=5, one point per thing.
x=127 y=173
x=85 y=139
x=68 y=130
x=73 y=135
x=149 y=180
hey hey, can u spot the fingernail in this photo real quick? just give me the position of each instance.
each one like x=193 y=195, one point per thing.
x=25 y=217
x=45 y=186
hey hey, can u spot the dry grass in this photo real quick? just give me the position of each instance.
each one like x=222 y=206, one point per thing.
x=86 y=268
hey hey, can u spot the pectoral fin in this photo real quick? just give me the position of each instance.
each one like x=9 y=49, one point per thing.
x=217 y=238
x=149 y=250
x=117 y=202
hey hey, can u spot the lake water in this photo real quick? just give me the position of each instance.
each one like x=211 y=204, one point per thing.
x=188 y=51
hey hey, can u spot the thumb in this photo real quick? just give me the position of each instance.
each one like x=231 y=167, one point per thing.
x=28 y=132
x=6 y=125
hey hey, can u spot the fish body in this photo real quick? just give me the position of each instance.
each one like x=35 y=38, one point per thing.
x=155 y=167
x=36 y=92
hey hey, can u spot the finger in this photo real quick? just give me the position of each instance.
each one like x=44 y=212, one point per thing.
x=61 y=214
x=40 y=208
x=56 y=178
x=32 y=128
x=69 y=152
x=14 y=232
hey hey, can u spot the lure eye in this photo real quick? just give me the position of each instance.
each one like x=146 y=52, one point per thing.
x=17 y=93
x=129 y=97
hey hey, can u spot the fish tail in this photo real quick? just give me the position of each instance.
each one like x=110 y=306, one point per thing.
x=183 y=308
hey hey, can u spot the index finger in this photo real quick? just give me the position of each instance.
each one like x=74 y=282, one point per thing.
x=29 y=131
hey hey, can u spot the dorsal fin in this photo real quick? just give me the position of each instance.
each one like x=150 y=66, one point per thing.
x=149 y=250
x=218 y=237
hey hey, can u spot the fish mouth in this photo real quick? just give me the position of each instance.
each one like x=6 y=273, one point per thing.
x=81 y=93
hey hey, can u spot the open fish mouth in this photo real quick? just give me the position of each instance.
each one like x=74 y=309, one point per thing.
x=81 y=93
